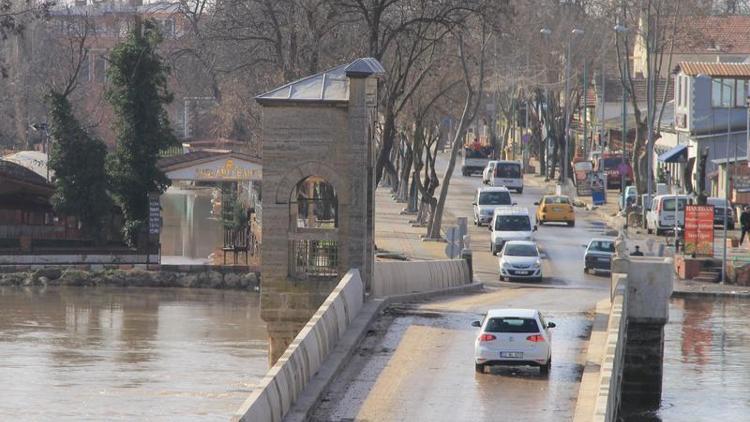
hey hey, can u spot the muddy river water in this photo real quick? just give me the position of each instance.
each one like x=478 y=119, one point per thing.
x=93 y=354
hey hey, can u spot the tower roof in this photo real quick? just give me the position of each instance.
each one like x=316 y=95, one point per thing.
x=331 y=85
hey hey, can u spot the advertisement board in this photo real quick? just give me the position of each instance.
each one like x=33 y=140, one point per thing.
x=699 y=230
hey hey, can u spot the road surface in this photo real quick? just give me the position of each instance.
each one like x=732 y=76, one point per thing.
x=416 y=362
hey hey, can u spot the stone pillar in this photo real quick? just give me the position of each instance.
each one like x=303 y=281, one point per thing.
x=649 y=287
x=188 y=227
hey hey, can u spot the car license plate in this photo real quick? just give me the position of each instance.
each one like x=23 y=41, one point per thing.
x=515 y=355
x=603 y=259
x=522 y=272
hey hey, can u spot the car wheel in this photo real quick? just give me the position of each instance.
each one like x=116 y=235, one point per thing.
x=544 y=369
x=659 y=232
x=648 y=230
x=571 y=223
x=541 y=222
x=520 y=191
x=492 y=249
x=585 y=270
x=479 y=368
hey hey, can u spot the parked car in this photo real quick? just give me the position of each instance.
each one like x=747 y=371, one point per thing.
x=509 y=223
x=508 y=174
x=514 y=337
x=628 y=197
x=555 y=209
x=598 y=256
x=722 y=206
x=485 y=202
x=664 y=210
x=520 y=259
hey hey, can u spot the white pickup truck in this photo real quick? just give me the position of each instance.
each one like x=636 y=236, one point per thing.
x=474 y=161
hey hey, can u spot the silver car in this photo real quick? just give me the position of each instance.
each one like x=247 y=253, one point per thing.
x=520 y=259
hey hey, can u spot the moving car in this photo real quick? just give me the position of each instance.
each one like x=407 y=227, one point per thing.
x=509 y=223
x=478 y=151
x=485 y=202
x=555 y=208
x=508 y=174
x=664 y=210
x=488 y=171
x=520 y=259
x=722 y=206
x=515 y=337
x=598 y=256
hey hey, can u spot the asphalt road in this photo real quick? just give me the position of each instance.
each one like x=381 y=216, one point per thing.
x=416 y=362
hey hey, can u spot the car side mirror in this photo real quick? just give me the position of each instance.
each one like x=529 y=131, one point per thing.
x=514 y=203
x=550 y=325
x=476 y=324
x=536 y=203
x=489 y=227
x=473 y=203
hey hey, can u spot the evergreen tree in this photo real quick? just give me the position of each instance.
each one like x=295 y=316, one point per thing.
x=138 y=93
x=79 y=164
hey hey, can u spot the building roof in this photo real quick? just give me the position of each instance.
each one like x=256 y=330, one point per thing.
x=191 y=158
x=32 y=160
x=713 y=35
x=331 y=85
x=613 y=89
x=730 y=70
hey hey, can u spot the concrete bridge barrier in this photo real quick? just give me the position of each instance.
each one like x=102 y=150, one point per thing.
x=286 y=380
x=404 y=277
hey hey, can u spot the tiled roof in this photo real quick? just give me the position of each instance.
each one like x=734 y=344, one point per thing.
x=713 y=35
x=734 y=70
x=613 y=89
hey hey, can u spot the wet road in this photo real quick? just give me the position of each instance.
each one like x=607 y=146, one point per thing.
x=128 y=354
x=706 y=362
x=417 y=362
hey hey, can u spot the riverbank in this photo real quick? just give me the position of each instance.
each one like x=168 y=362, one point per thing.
x=205 y=278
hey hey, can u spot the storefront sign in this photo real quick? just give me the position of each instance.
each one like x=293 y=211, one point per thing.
x=227 y=171
x=154 y=214
x=699 y=230
x=223 y=169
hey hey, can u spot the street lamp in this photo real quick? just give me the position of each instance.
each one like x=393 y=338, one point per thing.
x=620 y=29
x=42 y=127
x=565 y=163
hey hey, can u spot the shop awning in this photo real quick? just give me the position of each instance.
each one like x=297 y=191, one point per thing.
x=677 y=154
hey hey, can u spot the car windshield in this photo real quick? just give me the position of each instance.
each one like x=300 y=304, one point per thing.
x=512 y=325
x=511 y=223
x=602 y=246
x=520 y=250
x=668 y=204
x=556 y=200
x=508 y=170
x=494 y=198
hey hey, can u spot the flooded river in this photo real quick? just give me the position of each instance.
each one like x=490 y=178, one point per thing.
x=93 y=354
x=707 y=361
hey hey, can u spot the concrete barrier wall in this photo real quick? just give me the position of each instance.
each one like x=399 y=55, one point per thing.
x=613 y=358
x=404 y=277
x=286 y=380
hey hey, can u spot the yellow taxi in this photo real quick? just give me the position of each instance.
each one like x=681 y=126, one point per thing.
x=555 y=209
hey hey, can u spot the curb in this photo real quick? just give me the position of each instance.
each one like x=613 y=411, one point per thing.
x=417 y=296
x=335 y=362
x=345 y=348
x=688 y=293
x=591 y=378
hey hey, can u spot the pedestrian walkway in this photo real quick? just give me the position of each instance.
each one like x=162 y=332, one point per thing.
x=395 y=234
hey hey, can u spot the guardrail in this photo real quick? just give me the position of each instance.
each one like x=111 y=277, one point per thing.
x=403 y=277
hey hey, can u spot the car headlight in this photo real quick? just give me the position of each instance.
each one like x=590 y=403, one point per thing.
x=506 y=265
x=537 y=264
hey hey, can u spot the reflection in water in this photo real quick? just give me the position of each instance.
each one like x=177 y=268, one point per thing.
x=706 y=361
x=135 y=353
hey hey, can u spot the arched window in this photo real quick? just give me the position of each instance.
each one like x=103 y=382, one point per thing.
x=313 y=224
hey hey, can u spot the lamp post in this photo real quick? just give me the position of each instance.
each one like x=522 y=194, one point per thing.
x=564 y=162
x=545 y=33
x=620 y=29
x=42 y=127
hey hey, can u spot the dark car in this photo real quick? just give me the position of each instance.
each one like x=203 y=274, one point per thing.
x=598 y=256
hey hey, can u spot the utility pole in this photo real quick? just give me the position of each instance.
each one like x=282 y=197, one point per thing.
x=604 y=85
x=585 y=110
x=564 y=163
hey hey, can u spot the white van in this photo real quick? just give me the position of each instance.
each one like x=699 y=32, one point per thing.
x=508 y=174
x=510 y=223
x=485 y=202
x=664 y=209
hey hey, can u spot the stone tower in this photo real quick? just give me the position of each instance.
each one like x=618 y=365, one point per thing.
x=317 y=195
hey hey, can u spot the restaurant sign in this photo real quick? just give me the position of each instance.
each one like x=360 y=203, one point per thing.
x=224 y=169
x=699 y=230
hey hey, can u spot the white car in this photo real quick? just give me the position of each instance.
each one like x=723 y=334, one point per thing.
x=515 y=337
x=509 y=223
x=520 y=259
x=488 y=171
x=485 y=202
x=507 y=173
